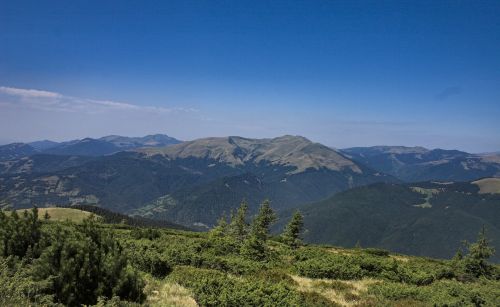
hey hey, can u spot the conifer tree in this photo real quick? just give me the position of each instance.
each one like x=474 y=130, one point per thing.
x=220 y=229
x=254 y=246
x=238 y=228
x=291 y=234
x=479 y=252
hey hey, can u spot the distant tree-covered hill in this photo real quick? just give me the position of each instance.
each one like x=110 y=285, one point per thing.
x=426 y=219
x=415 y=164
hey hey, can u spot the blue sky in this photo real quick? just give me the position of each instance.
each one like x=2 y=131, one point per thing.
x=344 y=73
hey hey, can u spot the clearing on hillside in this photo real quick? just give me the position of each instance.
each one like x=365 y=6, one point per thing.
x=488 y=185
x=62 y=214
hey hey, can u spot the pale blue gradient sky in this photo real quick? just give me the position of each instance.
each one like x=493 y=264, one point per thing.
x=344 y=73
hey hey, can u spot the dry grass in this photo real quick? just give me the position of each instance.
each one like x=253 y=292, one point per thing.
x=345 y=293
x=168 y=294
x=340 y=251
x=62 y=214
x=429 y=193
x=400 y=258
x=488 y=185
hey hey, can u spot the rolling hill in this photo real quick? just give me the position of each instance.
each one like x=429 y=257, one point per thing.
x=426 y=219
x=413 y=164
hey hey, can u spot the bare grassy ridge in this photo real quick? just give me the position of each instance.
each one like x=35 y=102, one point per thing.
x=287 y=150
x=488 y=185
x=63 y=214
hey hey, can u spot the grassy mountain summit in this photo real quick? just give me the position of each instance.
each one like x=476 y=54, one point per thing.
x=294 y=151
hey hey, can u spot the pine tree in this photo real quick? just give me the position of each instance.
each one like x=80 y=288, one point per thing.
x=479 y=252
x=238 y=228
x=291 y=234
x=19 y=235
x=254 y=246
x=220 y=229
x=263 y=220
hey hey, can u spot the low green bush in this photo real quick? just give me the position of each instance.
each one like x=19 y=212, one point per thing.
x=145 y=233
x=376 y=252
x=322 y=264
x=214 y=288
x=150 y=261
x=82 y=263
x=440 y=293
x=275 y=276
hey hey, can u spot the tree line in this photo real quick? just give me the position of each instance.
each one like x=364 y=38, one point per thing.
x=251 y=238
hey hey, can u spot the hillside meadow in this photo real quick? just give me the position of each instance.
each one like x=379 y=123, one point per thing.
x=49 y=262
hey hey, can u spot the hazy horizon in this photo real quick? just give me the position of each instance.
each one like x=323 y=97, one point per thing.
x=344 y=73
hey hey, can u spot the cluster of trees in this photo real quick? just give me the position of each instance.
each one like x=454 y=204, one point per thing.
x=72 y=264
x=250 y=238
x=19 y=235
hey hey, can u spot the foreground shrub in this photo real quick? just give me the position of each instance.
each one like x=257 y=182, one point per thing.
x=16 y=286
x=214 y=288
x=440 y=293
x=82 y=263
x=19 y=234
x=150 y=261
x=377 y=252
x=315 y=263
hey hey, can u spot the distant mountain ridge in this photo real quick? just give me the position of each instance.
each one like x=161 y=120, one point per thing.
x=84 y=147
x=15 y=151
x=192 y=182
x=421 y=164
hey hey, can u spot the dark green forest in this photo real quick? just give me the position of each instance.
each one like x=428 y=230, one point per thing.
x=51 y=263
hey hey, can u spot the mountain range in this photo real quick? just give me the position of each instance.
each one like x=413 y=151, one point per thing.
x=420 y=164
x=84 y=147
x=386 y=196
x=192 y=183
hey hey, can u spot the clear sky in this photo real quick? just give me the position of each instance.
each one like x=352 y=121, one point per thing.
x=344 y=73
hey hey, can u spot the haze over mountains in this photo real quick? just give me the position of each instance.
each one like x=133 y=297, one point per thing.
x=84 y=147
x=382 y=196
x=420 y=164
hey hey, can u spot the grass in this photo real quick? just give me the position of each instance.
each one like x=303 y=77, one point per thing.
x=428 y=195
x=62 y=214
x=488 y=185
x=344 y=293
x=167 y=293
